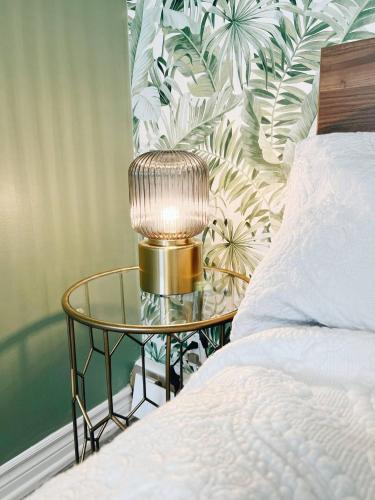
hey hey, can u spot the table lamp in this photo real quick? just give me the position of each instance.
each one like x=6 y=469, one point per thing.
x=168 y=193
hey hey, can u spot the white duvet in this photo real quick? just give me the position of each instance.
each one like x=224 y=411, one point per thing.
x=285 y=413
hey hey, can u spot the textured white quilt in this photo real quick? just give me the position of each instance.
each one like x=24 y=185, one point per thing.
x=286 y=413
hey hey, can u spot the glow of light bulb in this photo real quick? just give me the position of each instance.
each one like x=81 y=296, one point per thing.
x=169 y=214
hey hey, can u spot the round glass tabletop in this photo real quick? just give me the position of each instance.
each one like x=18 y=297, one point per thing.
x=114 y=301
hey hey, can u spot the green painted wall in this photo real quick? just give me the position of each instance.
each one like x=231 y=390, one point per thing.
x=65 y=144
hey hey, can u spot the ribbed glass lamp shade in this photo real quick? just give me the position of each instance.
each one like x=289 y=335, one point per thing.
x=168 y=192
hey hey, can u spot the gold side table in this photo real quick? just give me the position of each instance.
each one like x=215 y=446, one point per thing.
x=113 y=303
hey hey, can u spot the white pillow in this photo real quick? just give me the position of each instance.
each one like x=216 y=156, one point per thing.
x=321 y=267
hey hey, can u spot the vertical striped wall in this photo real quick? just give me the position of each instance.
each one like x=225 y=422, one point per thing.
x=65 y=144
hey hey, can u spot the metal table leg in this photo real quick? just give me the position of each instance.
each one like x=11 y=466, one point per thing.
x=74 y=383
x=168 y=367
x=222 y=334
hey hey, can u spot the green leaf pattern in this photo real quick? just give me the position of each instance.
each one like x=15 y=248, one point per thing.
x=235 y=81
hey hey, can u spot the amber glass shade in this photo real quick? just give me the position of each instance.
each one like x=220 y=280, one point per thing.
x=168 y=192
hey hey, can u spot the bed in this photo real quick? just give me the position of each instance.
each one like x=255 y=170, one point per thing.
x=287 y=409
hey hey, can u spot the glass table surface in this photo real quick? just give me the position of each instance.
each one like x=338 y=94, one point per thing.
x=114 y=301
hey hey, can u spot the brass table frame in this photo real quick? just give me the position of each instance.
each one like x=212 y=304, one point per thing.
x=93 y=432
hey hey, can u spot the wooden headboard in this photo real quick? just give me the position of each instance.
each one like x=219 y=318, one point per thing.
x=347 y=88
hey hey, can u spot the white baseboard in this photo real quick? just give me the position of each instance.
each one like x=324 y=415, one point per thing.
x=30 y=469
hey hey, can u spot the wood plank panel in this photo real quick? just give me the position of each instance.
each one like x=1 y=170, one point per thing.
x=347 y=88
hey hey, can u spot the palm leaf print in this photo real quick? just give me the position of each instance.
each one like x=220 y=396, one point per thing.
x=235 y=81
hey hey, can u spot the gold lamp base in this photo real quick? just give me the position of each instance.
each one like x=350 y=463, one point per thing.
x=170 y=267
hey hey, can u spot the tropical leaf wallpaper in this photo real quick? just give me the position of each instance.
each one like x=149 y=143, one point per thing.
x=235 y=81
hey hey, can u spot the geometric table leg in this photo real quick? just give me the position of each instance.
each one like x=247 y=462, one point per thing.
x=222 y=334
x=79 y=403
x=108 y=372
x=108 y=376
x=168 y=341
x=74 y=382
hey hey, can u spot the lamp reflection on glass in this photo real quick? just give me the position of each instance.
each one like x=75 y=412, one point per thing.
x=168 y=192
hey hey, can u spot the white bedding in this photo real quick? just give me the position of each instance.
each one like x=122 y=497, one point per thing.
x=285 y=413
x=320 y=268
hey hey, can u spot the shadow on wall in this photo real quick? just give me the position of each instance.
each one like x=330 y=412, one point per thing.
x=34 y=386
x=35 y=381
